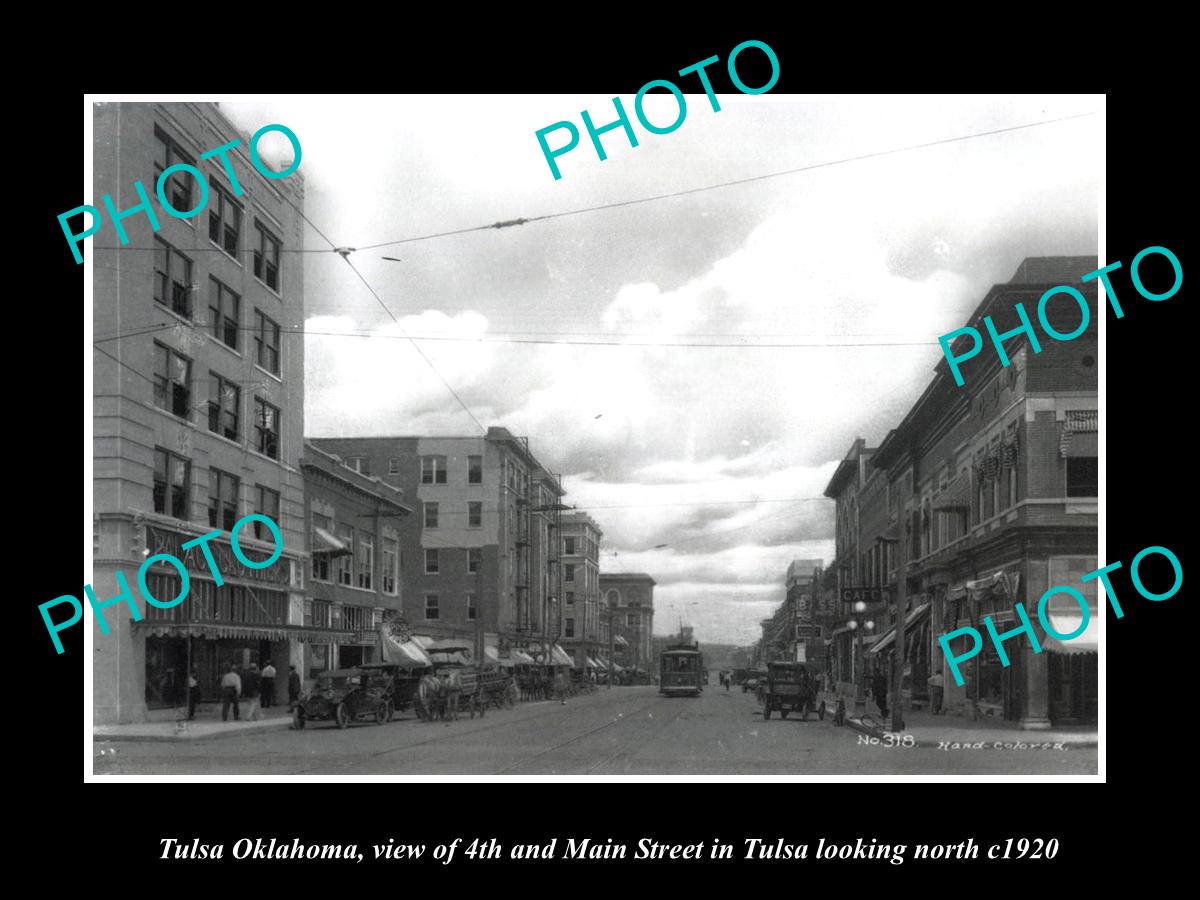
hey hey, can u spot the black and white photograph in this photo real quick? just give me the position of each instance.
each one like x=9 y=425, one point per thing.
x=705 y=432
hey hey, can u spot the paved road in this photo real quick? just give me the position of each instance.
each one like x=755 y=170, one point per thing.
x=625 y=731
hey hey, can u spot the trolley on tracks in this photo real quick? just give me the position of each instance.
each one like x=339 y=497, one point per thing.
x=681 y=671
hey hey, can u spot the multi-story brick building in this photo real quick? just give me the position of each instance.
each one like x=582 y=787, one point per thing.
x=993 y=486
x=354 y=526
x=629 y=598
x=480 y=560
x=581 y=636
x=198 y=405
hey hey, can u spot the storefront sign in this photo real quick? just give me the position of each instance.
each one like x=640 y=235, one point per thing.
x=161 y=542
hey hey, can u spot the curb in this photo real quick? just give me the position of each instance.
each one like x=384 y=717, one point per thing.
x=99 y=737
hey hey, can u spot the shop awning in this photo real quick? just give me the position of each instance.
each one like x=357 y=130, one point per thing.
x=449 y=645
x=445 y=658
x=597 y=664
x=560 y=657
x=521 y=658
x=889 y=636
x=956 y=496
x=1079 y=433
x=218 y=631
x=329 y=545
x=407 y=653
x=424 y=641
x=617 y=667
x=620 y=641
x=1067 y=623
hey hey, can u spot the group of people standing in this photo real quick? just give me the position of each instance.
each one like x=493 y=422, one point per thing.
x=254 y=686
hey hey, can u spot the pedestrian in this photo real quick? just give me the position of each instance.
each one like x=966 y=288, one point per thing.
x=250 y=689
x=231 y=689
x=193 y=690
x=937 y=692
x=293 y=687
x=268 y=685
x=879 y=685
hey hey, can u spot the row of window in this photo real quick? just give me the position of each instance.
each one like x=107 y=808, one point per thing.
x=433 y=565
x=225 y=213
x=173 y=392
x=433 y=606
x=323 y=614
x=173 y=289
x=356 y=569
x=173 y=486
x=434 y=469
x=474 y=514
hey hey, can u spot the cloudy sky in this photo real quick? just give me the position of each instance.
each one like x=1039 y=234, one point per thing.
x=694 y=366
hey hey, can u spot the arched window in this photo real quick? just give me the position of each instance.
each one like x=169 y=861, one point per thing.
x=613 y=598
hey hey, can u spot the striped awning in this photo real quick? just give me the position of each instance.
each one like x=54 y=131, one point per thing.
x=956 y=496
x=329 y=545
x=1081 y=422
x=620 y=641
x=222 y=630
x=1068 y=623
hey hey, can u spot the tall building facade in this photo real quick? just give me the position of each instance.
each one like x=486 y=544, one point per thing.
x=198 y=407
x=480 y=560
x=992 y=495
x=354 y=584
x=581 y=636
x=629 y=598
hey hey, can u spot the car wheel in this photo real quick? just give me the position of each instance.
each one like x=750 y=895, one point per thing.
x=342 y=715
x=821 y=711
x=298 y=720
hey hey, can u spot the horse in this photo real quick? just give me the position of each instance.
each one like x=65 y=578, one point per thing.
x=438 y=696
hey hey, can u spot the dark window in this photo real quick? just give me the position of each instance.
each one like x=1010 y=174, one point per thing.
x=569 y=627
x=474 y=559
x=569 y=546
x=393 y=466
x=431 y=515
x=178 y=190
x=474 y=514
x=569 y=573
x=359 y=464
x=474 y=470
x=222 y=499
x=224 y=220
x=266 y=341
x=268 y=505
x=1083 y=473
x=365 y=559
x=320 y=561
x=321 y=613
x=266 y=428
x=344 y=566
x=433 y=470
x=570 y=598
x=266 y=257
x=172 y=381
x=172 y=483
x=431 y=562
x=431 y=606
x=224 y=313
x=172 y=278
x=224 y=405
x=472 y=607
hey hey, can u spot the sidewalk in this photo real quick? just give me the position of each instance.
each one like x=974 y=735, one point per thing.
x=949 y=732
x=167 y=725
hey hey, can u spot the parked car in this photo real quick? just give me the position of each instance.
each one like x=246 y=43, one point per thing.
x=788 y=686
x=344 y=695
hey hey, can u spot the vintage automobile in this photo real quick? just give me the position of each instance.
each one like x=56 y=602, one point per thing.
x=752 y=680
x=345 y=695
x=788 y=686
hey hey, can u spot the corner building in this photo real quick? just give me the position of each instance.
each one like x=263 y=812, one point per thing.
x=198 y=407
x=480 y=561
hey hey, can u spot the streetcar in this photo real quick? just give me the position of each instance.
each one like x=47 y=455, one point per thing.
x=681 y=671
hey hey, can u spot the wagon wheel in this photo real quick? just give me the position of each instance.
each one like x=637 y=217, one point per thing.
x=509 y=702
x=821 y=711
x=805 y=708
x=298 y=718
x=342 y=715
x=382 y=713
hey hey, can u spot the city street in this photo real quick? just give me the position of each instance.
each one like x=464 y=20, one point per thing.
x=625 y=731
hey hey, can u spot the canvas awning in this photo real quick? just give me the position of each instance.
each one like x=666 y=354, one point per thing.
x=620 y=641
x=402 y=653
x=450 y=645
x=1079 y=433
x=889 y=636
x=1068 y=623
x=328 y=544
x=617 y=667
x=599 y=664
x=521 y=658
x=956 y=496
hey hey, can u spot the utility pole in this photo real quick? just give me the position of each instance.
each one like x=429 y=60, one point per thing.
x=901 y=623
